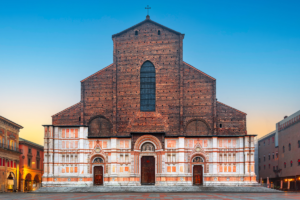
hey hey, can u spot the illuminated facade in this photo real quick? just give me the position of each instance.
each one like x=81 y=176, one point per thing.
x=148 y=119
x=31 y=165
x=9 y=155
x=278 y=155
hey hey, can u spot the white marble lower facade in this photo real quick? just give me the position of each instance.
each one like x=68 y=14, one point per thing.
x=71 y=159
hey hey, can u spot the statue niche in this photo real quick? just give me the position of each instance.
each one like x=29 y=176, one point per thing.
x=148 y=147
x=196 y=128
x=100 y=127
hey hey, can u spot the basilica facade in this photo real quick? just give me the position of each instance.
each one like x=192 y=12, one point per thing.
x=149 y=118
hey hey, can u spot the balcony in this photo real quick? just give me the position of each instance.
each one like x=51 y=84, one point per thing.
x=10 y=148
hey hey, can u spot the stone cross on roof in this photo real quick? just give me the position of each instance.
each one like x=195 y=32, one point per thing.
x=147 y=9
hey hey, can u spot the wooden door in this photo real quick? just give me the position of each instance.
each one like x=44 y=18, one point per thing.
x=98 y=175
x=148 y=170
x=197 y=174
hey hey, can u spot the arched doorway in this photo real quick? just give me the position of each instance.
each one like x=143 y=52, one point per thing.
x=36 y=182
x=147 y=165
x=98 y=170
x=11 y=181
x=28 y=183
x=198 y=170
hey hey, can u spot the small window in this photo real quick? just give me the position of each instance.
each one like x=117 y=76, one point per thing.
x=291 y=163
x=269 y=166
x=283 y=149
x=276 y=155
x=273 y=156
x=136 y=32
x=298 y=143
x=38 y=153
x=29 y=162
x=269 y=157
x=264 y=158
x=220 y=125
x=29 y=150
x=158 y=32
x=79 y=119
x=284 y=164
x=38 y=164
x=298 y=162
x=290 y=147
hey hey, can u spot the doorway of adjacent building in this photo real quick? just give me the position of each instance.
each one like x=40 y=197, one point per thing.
x=28 y=183
x=147 y=170
x=98 y=175
x=198 y=175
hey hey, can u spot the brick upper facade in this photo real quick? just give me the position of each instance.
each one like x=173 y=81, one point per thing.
x=183 y=93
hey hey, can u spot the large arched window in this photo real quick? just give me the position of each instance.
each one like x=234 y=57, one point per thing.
x=197 y=127
x=147 y=85
x=100 y=126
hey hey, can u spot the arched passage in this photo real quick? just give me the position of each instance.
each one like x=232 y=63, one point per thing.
x=11 y=181
x=28 y=182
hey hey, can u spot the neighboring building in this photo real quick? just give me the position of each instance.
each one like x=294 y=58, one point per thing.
x=9 y=154
x=149 y=118
x=31 y=165
x=279 y=154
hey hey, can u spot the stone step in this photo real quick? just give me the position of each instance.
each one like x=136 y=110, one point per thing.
x=155 y=189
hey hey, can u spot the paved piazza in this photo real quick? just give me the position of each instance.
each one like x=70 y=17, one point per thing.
x=149 y=196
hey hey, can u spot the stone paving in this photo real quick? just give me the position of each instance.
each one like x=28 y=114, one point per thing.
x=156 y=189
x=149 y=196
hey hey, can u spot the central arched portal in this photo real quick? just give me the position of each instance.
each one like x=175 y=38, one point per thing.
x=98 y=171
x=198 y=171
x=98 y=175
x=148 y=170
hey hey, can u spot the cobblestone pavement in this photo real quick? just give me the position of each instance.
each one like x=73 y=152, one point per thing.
x=149 y=196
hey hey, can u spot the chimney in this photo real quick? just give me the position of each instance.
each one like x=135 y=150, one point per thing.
x=285 y=117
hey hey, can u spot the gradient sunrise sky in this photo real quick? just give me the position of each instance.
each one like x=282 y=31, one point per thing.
x=251 y=47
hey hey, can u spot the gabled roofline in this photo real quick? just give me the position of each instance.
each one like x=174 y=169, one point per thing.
x=146 y=20
x=96 y=73
x=11 y=122
x=199 y=70
x=23 y=141
x=67 y=109
x=232 y=108
x=267 y=135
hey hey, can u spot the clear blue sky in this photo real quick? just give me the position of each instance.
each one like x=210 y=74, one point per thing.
x=251 y=47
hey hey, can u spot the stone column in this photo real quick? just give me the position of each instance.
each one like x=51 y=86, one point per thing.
x=181 y=155
x=81 y=144
x=281 y=184
x=113 y=158
x=215 y=155
x=5 y=175
x=21 y=184
x=17 y=175
x=288 y=187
